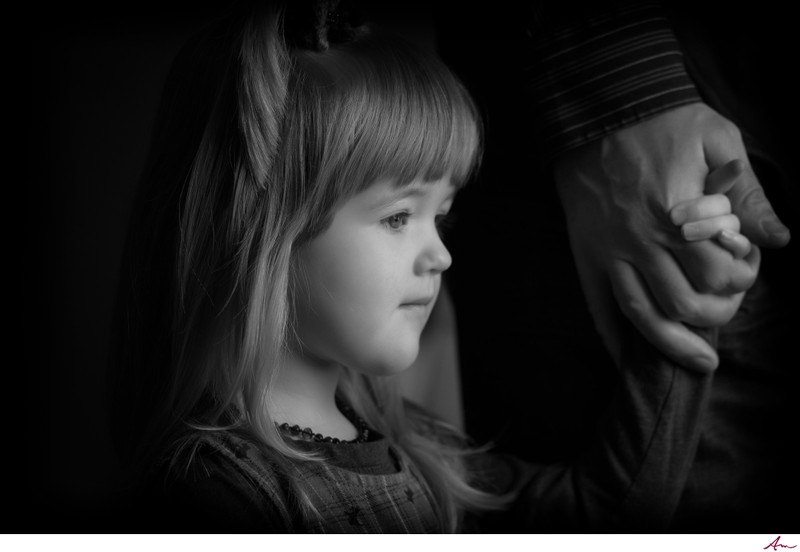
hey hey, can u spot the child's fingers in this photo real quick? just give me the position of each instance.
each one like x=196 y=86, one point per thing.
x=710 y=227
x=704 y=207
x=721 y=180
x=737 y=244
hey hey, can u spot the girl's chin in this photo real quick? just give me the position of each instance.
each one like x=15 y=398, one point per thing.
x=397 y=364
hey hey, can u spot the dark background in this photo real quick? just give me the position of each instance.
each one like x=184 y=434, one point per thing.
x=95 y=82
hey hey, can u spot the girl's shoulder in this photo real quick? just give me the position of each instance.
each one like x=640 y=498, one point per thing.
x=223 y=483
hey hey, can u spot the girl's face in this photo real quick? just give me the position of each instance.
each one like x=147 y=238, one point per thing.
x=372 y=277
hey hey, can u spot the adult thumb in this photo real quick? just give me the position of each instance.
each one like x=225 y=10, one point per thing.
x=759 y=222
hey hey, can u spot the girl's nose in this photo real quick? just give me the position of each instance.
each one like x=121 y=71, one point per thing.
x=434 y=257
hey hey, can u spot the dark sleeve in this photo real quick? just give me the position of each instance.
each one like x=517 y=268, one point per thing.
x=631 y=477
x=595 y=68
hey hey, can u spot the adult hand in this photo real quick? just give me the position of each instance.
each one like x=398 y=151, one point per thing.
x=617 y=193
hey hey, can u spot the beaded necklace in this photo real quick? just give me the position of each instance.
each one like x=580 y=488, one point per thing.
x=309 y=435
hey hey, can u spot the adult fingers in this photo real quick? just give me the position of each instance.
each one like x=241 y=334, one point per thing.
x=675 y=291
x=672 y=338
x=759 y=221
x=722 y=179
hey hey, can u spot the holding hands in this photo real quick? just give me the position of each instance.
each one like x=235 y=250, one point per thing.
x=665 y=218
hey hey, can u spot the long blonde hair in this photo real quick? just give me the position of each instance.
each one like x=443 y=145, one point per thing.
x=272 y=140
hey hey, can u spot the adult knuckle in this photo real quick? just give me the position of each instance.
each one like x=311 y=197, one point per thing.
x=731 y=129
x=633 y=307
x=683 y=309
x=753 y=196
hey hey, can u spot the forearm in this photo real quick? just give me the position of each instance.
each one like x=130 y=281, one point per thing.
x=639 y=465
x=632 y=476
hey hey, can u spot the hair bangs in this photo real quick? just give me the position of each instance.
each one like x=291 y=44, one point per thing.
x=397 y=114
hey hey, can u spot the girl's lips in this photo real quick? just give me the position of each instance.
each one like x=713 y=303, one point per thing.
x=421 y=302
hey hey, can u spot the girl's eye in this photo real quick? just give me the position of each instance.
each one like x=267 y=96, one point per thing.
x=396 y=221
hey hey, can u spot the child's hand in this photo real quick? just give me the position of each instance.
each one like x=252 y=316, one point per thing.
x=710 y=216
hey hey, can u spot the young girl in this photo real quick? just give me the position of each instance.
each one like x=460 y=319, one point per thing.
x=286 y=262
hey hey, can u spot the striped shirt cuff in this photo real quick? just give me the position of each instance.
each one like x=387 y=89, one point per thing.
x=609 y=71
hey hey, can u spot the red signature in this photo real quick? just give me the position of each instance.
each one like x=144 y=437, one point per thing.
x=776 y=543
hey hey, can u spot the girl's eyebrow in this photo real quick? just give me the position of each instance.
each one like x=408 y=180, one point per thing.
x=395 y=195
x=411 y=190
